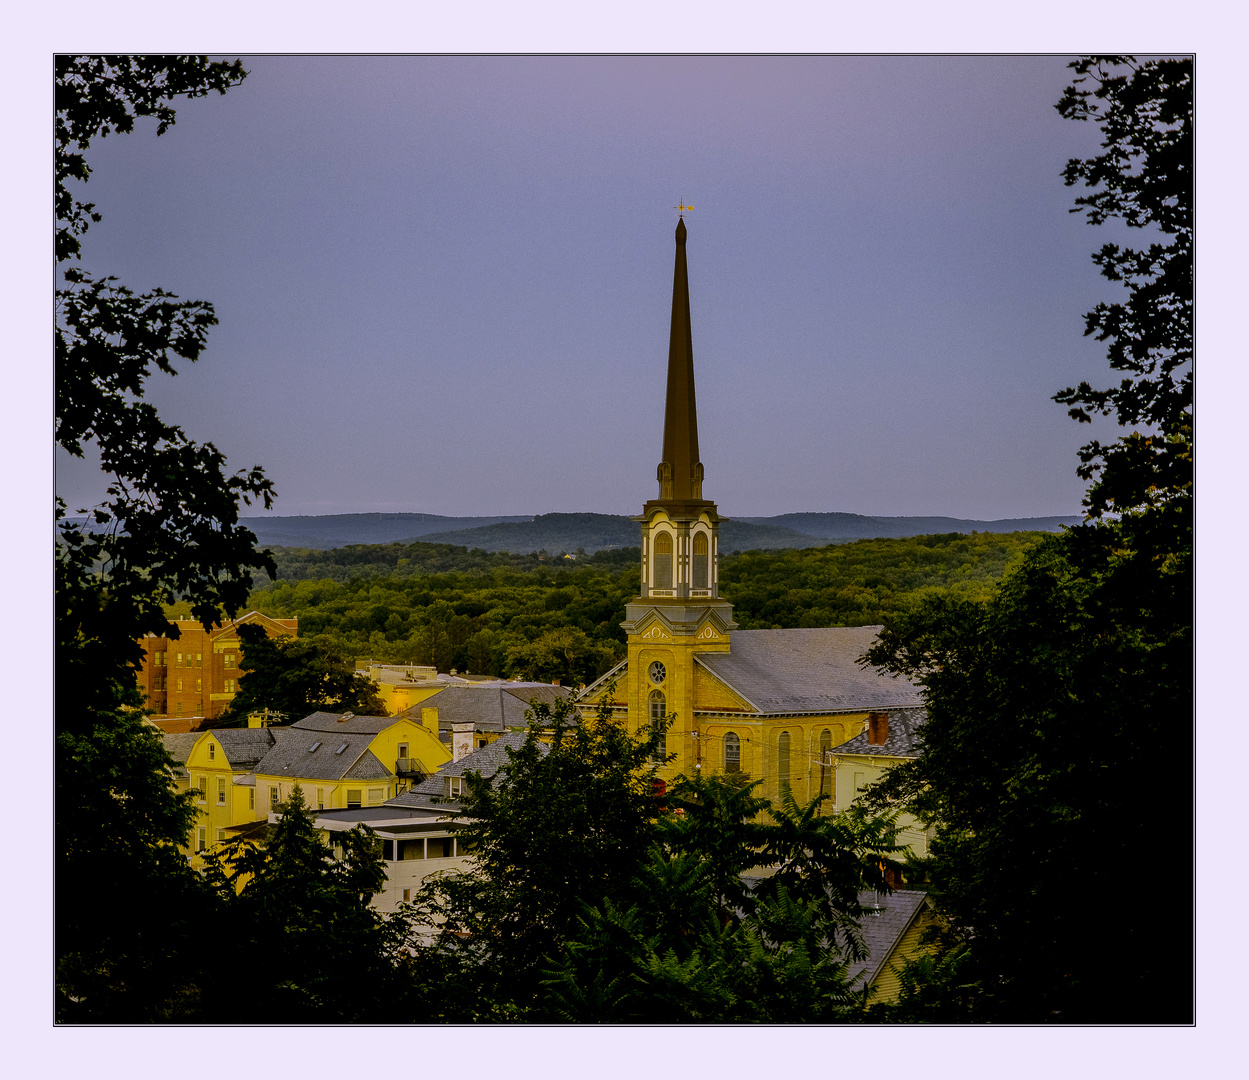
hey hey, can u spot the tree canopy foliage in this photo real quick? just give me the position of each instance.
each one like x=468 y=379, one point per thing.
x=1057 y=758
x=327 y=955
x=514 y=615
x=596 y=898
x=168 y=528
x=293 y=678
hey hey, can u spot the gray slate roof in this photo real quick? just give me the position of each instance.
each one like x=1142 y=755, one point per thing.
x=295 y=756
x=328 y=721
x=808 y=671
x=903 y=740
x=244 y=747
x=487 y=761
x=494 y=706
x=180 y=747
x=883 y=923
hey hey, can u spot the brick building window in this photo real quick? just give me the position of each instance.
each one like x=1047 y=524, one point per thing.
x=229 y=659
x=782 y=759
x=732 y=752
x=179 y=664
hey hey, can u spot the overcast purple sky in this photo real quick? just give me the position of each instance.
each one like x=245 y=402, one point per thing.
x=444 y=283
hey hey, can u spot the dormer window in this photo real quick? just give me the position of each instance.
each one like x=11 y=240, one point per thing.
x=455 y=786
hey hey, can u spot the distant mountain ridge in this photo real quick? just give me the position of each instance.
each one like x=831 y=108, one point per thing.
x=838 y=526
x=557 y=533
x=338 y=530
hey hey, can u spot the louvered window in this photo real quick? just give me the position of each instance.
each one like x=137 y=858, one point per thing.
x=698 y=577
x=663 y=560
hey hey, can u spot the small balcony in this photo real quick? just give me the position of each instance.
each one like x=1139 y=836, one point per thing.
x=407 y=768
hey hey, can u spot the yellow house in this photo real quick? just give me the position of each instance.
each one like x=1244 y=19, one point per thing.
x=419 y=828
x=218 y=765
x=347 y=761
x=891 y=737
x=893 y=926
x=770 y=704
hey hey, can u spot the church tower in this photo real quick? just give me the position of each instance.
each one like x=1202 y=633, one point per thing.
x=679 y=612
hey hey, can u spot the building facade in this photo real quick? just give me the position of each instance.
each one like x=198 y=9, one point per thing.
x=195 y=675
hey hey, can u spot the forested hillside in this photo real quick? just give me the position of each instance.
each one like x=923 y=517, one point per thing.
x=503 y=614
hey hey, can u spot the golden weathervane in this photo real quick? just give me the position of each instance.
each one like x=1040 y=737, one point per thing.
x=682 y=207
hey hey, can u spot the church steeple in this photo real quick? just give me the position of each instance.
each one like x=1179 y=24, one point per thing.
x=680 y=529
x=680 y=473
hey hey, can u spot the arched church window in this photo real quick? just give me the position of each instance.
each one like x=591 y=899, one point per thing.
x=658 y=711
x=663 y=561
x=699 y=568
x=782 y=760
x=732 y=752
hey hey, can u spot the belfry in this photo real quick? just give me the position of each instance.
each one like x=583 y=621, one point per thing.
x=764 y=704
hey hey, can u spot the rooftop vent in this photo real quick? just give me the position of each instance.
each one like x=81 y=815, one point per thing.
x=341 y=749
x=314 y=746
x=345 y=717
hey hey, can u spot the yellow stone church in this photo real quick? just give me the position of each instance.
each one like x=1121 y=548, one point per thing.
x=770 y=704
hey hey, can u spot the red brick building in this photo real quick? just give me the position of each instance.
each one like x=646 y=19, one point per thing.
x=193 y=677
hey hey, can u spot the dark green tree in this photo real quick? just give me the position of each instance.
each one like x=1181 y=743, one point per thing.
x=326 y=956
x=565 y=823
x=1144 y=178
x=168 y=528
x=566 y=654
x=294 y=678
x=702 y=941
x=1055 y=707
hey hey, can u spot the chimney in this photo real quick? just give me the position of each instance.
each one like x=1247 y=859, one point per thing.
x=429 y=719
x=877 y=728
x=461 y=740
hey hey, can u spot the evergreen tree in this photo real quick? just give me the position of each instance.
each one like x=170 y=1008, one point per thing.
x=302 y=924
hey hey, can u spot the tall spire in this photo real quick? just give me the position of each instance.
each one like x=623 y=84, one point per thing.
x=680 y=473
